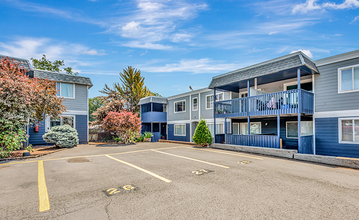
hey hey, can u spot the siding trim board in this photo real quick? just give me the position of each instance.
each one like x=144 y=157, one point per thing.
x=331 y=114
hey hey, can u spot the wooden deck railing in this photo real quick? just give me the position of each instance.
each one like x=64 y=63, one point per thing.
x=285 y=102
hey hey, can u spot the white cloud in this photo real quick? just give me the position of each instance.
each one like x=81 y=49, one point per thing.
x=94 y=52
x=204 y=65
x=306 y=52
x=355 y=19
x=155 y=21
x=311 y=5
x=147 y=45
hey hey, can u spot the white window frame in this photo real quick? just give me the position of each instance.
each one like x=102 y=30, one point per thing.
x=246 y=124
x=218 y=125
x=237 y=124
x=286 y=128
x=341 y=133
x=65 y=96
x=175 y=106
x=174 y=130
x=48 y=121
x=213 y=99
x=340 y=79
x=193 y=104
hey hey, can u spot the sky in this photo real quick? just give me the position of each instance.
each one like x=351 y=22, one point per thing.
x=175 y=44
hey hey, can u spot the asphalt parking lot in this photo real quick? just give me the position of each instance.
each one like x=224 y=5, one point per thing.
x=173 y=181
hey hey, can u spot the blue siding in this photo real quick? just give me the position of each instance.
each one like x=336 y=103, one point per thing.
x=81 y=127
x=327 y=139
x=154 y=117
x=36 y=137
x=172 y=137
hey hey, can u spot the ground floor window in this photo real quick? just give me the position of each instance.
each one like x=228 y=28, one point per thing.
x=306 y=128
x=219 y=128
x=63 y=120
x=235 y=128
x=180 y=130
x=349 y=130
x=256 y=128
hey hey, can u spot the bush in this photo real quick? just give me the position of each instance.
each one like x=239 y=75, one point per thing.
x=125 y=125
x=141 y=138
x=202 y=135
x=148 y=135
x=11 y=141
x=62 y=136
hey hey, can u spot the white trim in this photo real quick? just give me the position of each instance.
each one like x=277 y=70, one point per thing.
x=197 y=104
x=88 y=115
x=337 y=58
x=174 y=130
x=340 y=130
x=214 y=99
x=218 y=126
x=314 y=144
x=185 y=107
x=210 y=120
x=253 y=122
x=190 y=117
x=189 y=93
x=335 y=114
x=235 y=123
x=285 y=85
x=70 y=112
x=340 y=79
x=301 y=124
x=73 y=85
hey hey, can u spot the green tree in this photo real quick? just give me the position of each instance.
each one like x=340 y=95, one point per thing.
x=202 y=136
x=94 y=104
x=131 y=89
x=54 y=66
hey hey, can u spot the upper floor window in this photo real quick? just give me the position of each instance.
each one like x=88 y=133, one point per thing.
x=209 y=100
x=66 y=90
x=180 y=106
x=349 y=130
x=349 y=79
x=195 y=104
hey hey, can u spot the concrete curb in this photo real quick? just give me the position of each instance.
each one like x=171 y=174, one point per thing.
x=258 y=150
x=330 y=160
x=29 y=157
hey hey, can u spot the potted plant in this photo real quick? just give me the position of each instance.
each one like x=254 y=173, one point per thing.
x=148 y=136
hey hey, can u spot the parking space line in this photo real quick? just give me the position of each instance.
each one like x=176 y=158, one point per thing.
x=44 y=203
x=98 y=155
x=188 y=158
x=139 y=168
x=234 y=154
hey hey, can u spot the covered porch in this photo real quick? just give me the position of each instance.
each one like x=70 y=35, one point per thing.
x=261 y=101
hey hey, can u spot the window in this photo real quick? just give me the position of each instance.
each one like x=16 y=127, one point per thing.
x=180 y=106
x=65 y=90
x=63 y=120
x=194 y=104
x=349 y=130
x=256 y=128
x=235 y=128
x=180 y=130
x=219 y=128
x=209 y=100
x=349 y=79
x=292 y=128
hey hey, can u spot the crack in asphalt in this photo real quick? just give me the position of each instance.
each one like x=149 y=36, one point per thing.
x=106 y=209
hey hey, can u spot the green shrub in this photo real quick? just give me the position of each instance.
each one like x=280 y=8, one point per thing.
x=11 y=141
x=202 y=135
x=148 y=135
x=62 y=136
x=141 y=138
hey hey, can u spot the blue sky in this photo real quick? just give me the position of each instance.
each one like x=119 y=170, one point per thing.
x=175 y=44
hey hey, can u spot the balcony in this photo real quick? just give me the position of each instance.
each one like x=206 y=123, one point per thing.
x=285 y=102
x=154 y=117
